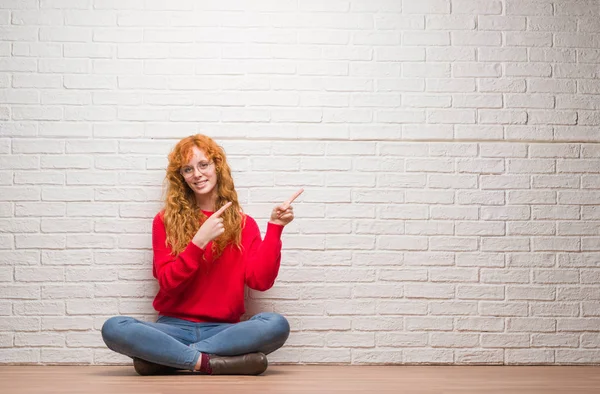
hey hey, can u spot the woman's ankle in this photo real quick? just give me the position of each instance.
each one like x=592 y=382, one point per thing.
x=203 y=364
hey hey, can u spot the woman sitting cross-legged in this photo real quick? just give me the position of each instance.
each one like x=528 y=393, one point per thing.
x=206 y=250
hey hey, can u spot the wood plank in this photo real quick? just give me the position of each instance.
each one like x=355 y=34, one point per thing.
x=303 y=379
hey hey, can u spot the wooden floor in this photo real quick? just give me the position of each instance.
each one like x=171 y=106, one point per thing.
x=307 y=379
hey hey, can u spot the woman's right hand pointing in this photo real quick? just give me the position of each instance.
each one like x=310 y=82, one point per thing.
x=211 y=228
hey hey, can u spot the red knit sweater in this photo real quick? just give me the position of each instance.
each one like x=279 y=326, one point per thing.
x=197 y=287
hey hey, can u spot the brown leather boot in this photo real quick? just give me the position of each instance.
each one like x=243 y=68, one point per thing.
x=146 y=368
x=246 y=364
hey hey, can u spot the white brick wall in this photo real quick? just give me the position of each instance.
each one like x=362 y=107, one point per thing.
x=449 y=149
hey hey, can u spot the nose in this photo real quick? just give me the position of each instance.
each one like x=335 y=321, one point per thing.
x=197 y=171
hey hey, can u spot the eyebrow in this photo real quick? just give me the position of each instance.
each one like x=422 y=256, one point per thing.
x=200 y=162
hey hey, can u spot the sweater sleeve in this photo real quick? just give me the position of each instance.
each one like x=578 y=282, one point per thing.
x=262 y=257
x=172 y=272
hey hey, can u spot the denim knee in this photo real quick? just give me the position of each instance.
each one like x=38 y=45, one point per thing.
x=112 y=331
x=279 y=327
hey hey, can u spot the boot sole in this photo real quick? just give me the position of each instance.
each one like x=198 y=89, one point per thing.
x=246 y=364
x=147 y=368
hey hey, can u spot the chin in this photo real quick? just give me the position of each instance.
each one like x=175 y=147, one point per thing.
x=204 y=191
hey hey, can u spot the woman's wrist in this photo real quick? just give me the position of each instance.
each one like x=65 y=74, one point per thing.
x=199 y=243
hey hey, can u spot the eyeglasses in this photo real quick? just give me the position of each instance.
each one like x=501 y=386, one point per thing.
x=202 y=166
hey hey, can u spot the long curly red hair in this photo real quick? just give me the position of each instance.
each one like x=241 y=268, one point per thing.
x=182 y=216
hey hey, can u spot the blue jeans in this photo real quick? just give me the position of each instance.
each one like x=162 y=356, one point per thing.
x=178 y=343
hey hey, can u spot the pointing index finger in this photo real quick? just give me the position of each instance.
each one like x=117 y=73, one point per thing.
x=223 y=208
x=291 y=200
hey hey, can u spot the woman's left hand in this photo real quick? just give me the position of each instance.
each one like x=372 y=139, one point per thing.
x=283 y=214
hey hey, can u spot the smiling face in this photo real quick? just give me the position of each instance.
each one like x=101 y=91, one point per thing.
x=200 y=175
